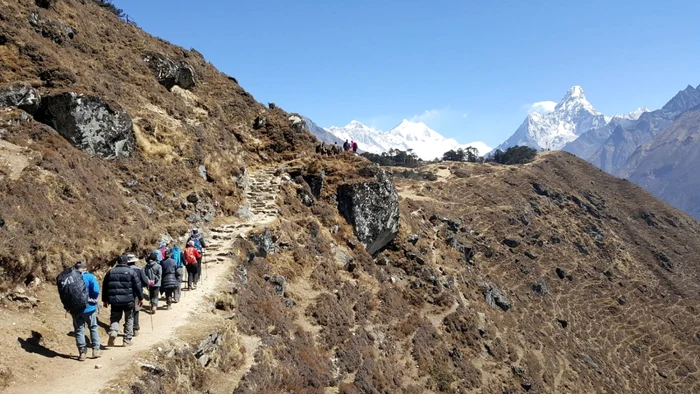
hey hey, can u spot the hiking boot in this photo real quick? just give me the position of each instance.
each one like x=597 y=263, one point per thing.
x=127 y=342
x=83 y=356
x=111 y=341
x=96 y=353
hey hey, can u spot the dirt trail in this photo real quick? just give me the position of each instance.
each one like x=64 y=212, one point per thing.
x=67 y=376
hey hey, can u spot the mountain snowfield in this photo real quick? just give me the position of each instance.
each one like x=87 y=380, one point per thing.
x=571 y=118
x=417 y=136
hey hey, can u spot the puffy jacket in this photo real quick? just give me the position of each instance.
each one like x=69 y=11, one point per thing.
x=154 y=272
x=171 y=278
x=121 y=286
x=93 y=289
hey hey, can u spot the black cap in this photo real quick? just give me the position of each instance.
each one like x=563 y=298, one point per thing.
x=79 y=265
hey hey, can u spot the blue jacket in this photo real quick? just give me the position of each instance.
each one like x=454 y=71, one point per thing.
x=93 y=289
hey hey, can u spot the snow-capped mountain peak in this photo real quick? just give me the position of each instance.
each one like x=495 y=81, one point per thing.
x=572 y=116
x=634 y=115
x=407 y=135
x=575 y=100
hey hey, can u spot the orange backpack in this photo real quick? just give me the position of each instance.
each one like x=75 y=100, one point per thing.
x=190 y=255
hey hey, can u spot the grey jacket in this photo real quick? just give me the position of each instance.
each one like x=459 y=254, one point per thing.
x=154 y=272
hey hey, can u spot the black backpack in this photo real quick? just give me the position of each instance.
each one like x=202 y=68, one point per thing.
x=72 y=290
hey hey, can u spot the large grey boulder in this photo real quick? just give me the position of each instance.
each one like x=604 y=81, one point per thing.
x=372 y=208
x=170 y=73
x=20 y=95
x=89 y=123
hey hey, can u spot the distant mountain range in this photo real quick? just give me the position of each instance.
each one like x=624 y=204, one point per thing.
x=656 y=149
x=407 y=135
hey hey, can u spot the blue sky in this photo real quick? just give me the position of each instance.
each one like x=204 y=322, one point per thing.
x=469 y=69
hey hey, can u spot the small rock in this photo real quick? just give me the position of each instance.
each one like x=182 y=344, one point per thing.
x=413 y=238
x=563 y=323
x=511 y=243
x=98 y=366
x=540 y=287
x=193 y=198
x=194 y=218
x=562 y=274
x=530 y=255
x=259 y=122
x=496 y=298
x=589 y=361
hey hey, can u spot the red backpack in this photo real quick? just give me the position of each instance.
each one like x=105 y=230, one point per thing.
x=191 y=255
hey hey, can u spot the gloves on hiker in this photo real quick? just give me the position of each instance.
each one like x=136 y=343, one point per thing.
x=151 y=283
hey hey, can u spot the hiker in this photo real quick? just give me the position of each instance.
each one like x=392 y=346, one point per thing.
x=154 y=273
x=79 y=290
x=143 y=282
x=199 y=243
x=346 y=146
x=191 y=257
x=121 y=290
x=162 y=247
x=179 y=257
x=336 y=148
x=354 y=147
x=170 y=279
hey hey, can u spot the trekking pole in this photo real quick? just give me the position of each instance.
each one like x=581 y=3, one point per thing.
x=151 y=318
x=206 y=268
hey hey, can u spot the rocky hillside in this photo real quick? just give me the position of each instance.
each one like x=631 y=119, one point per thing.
x=667 y=166
x=111 y=137
x=551 y=277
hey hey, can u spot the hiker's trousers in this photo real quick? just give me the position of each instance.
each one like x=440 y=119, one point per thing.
x=115 y=316
x=79 y=322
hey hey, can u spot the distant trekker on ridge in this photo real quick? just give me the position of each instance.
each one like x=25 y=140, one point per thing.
x=346 y=146
x=79 y=292
x=122 y=291
x=354 y=147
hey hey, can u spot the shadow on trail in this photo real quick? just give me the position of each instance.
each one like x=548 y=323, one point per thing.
x=33 y=345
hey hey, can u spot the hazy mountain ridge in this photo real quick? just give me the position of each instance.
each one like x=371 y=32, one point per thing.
x=427 y=143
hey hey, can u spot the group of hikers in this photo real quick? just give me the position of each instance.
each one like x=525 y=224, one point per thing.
x=335 y=149
x=122 y=290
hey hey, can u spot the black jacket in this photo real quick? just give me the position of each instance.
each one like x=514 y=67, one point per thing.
x=121 y=286
x=171 y=278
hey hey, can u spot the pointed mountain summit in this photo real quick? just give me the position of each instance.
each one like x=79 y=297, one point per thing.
x=572 y=116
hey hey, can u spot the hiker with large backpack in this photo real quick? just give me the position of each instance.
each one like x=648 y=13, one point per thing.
x=122 y=291
x=179 y=257
x=346 y=146
x=143 y=281
x=192 y=255
x=79 y=292
x=171 y=278
x=154 y=273
x=200 y=245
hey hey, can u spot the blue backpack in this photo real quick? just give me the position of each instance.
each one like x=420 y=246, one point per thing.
x=197 y=243
x=176 y=254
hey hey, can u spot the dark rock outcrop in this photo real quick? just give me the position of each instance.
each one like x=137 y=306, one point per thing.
x=45 y=3
x=20 y=95
x=278 y=282
x=55 y=30
x=259 y=122
x=372 y=208
x=496 y=298
x=264 y=242
x=171 y=73
x=89 y=123
x=315 y=182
